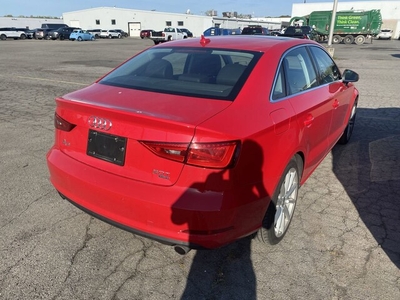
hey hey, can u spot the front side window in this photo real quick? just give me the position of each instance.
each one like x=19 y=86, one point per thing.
x=327 y=69
x=205 y=73
x=299 y=71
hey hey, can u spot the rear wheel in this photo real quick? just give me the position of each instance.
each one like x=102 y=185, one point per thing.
x=3 y=37
x=22 y=37
x=79 y=38
x=281 y=209
x=348 y=39
x=348 y=131
x=359 y=40
x=336 y=39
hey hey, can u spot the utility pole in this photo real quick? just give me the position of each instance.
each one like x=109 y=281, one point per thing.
x=331 y=27
x=333 y=19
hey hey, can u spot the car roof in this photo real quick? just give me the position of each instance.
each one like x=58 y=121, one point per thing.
x=240 y=42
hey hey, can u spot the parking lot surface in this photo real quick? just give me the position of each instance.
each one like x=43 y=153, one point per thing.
x=343 y=243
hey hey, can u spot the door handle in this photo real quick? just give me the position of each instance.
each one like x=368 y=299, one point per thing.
x=308 y=121
x=335 y=103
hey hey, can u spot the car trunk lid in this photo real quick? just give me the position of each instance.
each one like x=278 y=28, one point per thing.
x=110 y=123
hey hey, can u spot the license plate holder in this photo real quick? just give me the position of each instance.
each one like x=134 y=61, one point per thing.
x=106 y=147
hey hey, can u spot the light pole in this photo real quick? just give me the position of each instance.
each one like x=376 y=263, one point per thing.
x=333 y=19
x=331 y=27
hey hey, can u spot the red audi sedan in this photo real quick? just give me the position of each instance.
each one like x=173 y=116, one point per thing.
x=200 y=142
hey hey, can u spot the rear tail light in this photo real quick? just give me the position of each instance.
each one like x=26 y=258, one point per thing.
x=62 y=124
x=207 y=155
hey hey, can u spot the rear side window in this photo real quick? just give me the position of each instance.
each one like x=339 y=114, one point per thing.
x=205 y=73
x=296 y=74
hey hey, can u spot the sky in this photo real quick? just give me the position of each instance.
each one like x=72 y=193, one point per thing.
x=51 y=8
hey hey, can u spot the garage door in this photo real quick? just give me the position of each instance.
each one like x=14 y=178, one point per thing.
x=134 y=29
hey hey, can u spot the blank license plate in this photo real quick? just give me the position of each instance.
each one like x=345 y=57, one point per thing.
x=106 y=147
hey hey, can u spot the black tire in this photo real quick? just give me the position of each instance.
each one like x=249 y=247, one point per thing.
x=348 y=131
x=79 y=39
x=283 y=203
x=170 y=38
x=3 y=37
x=22 y=37
x=336 y=39
x=156 y=42
x=348 y=39
x=359 y=40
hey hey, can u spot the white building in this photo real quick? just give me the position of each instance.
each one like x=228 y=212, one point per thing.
x=133 y=21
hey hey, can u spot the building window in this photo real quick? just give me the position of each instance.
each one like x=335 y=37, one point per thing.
x=113 y=22
x=168 y=23
x=180 y=23
x=97 y=22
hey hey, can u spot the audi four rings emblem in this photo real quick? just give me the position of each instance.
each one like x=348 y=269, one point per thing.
x=99 y=123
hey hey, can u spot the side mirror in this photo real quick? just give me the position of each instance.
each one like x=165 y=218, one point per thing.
x=350 y=76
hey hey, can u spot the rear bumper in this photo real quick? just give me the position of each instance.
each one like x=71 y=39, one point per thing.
x=173 y=215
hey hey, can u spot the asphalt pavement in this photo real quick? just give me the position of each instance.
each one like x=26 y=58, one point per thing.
x=343 y=243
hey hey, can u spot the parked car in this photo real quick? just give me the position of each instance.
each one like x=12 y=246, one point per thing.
x=221 y=31
x=114 y=33
x=81 y=35
x=95 y=32
x=30 y=33
x=145 y=33
x=167 y=148
x=123 y=33
x=385 y=34
x=167 y=35
x=275 y=32
x=104 y=34
x=61 y=33
x=300 y=32
x=12 y=32
x=187 y=31
x=43 y=32
x=255 y=29
x=109 y=34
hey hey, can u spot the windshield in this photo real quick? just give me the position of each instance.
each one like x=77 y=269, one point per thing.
x=197 y=72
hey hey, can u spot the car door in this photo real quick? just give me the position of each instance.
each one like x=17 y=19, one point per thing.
x=339 y=93
x=312 y=106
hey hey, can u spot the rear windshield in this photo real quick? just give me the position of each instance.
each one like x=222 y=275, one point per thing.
x=196 y=72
